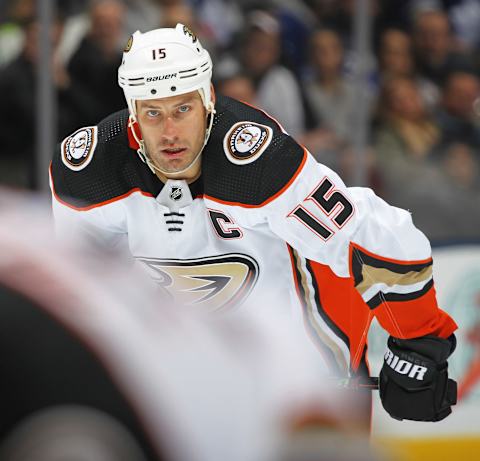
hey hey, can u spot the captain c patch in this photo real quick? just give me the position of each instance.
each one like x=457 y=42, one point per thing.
x=246 y=141
x=78 y=149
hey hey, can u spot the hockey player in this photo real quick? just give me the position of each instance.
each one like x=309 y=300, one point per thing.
x=220 y=204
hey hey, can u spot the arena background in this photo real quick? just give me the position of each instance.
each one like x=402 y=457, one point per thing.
x=384 y=92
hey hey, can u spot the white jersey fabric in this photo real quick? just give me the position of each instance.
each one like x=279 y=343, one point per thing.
x=288 y=235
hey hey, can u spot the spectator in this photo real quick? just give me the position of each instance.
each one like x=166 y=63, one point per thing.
x=444 y=198
x=96 y=61
x=461 y=166
x=297 y=23
x=463 y=169
x=407 y=147
x=179 y=12
x=11 y=34
x=435 y=49
x=329 y=94
x=276 y=86
x=339 y=15
x=404 y=138
x=395 y=54
x=221 y=20
x=465 y=16
x=406 y=130
x=238 y=86
x=330 y=98
x=17 y=98
x=396 y=59
x=142 y=14
x=458 y=117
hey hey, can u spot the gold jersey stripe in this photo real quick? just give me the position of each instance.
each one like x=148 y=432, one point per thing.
x=374 y=275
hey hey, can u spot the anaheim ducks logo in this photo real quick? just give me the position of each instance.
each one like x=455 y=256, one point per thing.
x=214 y=283
x=78 y=149
x=189 y=33
x=246 y=141
x=129 y=44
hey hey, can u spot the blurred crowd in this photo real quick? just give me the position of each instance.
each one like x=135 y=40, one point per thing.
x=297 y=60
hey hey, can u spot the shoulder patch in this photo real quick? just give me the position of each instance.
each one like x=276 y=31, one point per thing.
x=78 y=148
x=246 y=141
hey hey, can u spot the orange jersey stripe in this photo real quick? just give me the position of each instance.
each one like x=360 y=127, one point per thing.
x=415 y=318
x=96 y=205
x=345 y=307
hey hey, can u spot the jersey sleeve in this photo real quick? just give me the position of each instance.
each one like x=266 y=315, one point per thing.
x=93 y=225
x=360 y=237
x=77 y=217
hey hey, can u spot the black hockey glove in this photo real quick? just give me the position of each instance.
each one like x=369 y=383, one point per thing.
x=414 y=381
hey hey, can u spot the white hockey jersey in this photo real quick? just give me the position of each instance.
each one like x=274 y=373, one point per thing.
x=264 y=221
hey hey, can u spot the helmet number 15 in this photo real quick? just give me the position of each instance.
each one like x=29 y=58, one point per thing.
x=159 y=53
x=332 y=203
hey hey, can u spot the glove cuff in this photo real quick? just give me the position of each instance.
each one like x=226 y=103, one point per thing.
x=414 y=381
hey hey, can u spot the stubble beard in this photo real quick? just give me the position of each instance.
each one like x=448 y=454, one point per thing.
x=174 y=166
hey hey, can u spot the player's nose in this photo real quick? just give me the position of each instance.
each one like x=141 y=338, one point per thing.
x=170 y=131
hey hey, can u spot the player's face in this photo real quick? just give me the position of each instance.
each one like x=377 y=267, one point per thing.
x=173 y=130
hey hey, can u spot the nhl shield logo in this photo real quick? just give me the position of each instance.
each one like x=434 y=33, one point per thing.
x=176 y=193
x=246 y=141
x=78 y=149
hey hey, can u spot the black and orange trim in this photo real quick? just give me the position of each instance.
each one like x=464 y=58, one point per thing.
x=381 y=297
x=393 y=272
x=360 y=257
x=329 y=355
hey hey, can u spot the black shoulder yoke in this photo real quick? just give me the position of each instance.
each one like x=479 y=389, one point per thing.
x=114 y=169
x=247 y=182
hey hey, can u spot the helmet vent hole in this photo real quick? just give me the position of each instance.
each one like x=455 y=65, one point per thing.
x=153 y=91
x=173 y=88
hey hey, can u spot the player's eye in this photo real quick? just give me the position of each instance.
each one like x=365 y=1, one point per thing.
x=184 y=108
x=153 y=113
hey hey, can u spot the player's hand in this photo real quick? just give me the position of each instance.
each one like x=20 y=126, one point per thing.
x=414 y=381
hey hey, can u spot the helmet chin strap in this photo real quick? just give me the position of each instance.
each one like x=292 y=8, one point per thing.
x=142 y=150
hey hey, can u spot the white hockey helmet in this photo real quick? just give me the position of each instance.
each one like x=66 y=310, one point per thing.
x=162 y=63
